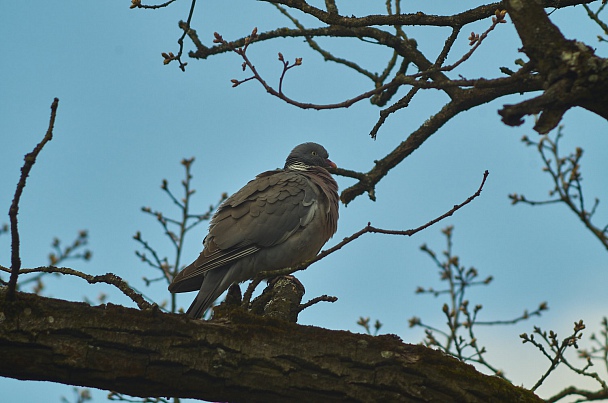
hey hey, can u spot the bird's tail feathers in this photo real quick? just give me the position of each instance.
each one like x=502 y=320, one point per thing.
x=214 y=284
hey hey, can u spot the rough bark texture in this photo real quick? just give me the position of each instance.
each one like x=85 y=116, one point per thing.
x=244 y=359
x=573 y=75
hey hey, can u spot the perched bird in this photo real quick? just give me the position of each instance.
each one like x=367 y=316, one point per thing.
x=279 y=219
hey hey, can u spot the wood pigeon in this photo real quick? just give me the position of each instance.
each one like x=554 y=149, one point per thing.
x=279 y=219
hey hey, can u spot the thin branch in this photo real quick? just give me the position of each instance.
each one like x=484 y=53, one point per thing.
x=447 y=46
x=279 y=94
x=326 y=55
x=595 y=18
x=185 y=26
x=499 y=18
x=526 y=315
x=397 y=81
x=184 y=224
x=565 y=173
x=385 y=113
x=137 y=4
x=409 y=52
x=557 y=350
x=587 y=394
x=59 y=256
x=30 y=159
x=158 y=263
x=322 y=298
x=108 y=278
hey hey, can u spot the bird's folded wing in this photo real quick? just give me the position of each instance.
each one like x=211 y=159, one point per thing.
x=264 y=213
x=191 y=278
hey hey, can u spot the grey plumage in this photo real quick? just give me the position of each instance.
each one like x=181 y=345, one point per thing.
x=279 y=219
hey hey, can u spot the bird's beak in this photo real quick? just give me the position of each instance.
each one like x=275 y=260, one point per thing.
x=331 y=163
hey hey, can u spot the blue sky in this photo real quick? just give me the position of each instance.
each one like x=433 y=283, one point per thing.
x=125 y=121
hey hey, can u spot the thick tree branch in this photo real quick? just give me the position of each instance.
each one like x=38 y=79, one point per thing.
x=148 y=353
x=573 y=74
x=456 y=20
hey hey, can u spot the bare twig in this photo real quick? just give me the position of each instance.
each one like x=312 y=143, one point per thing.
x=60 y=255
x=365 y=324
x=156 y=262
x=137 y=4
x=184 y=224
x=524 y=316
x=185 y=26
x=460 y=314
x=600 y=352
x=322 y=298
x=326 y=55
x=595 y=17
x=30 y=159
x=565 y=173
x=108 y=278
x=121 y=397
x=397 y=81
x=556 y=348
x=589 y=396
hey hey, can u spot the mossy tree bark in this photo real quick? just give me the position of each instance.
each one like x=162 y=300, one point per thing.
x=572 y=74
x=244 y=358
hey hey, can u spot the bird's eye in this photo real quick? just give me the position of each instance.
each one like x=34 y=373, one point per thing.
x=314 y=153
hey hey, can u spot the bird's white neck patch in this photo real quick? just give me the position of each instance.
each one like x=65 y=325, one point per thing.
x=298 y=166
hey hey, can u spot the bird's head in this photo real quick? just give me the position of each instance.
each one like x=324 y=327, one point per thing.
x=307 y=155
